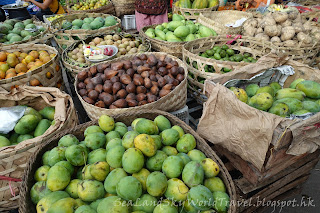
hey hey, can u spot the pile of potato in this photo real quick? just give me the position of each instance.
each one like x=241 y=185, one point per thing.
x=286 y=28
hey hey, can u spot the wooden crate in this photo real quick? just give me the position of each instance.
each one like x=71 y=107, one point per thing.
x=274 y=183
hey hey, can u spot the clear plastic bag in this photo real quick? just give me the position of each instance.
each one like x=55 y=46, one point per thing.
x=9 y=117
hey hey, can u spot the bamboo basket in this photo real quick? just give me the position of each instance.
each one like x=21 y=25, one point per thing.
x=67 y=37
x=124 y=7
x=13 y=158
x=41 y=38
x=106 y=9
x=217 y=21
x=172 y=48
x=189 y=13
x=175 y=100
x=39 y=73
x=74 y=68
x=191 y=57
x=26 y=204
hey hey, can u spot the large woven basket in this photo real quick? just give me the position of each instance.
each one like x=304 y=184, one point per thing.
x=217 y=21
x=26 y=204
x=13 y=158
x=74 y=68
x=123 y=7
x=67 y=37
x=191 y=52
x=172 y=48
x=107 y=9
x=189 y=13
x=175 y=100
x=39 y=73
x=41 y=38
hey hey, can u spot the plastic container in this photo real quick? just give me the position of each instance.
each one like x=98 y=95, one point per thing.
x=182 y=114
x=129 y=22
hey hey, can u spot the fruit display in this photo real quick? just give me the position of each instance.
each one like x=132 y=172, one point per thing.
x=136 y=81
x=19 y=63
x=288 y=29
x=126 y=44
x=32 y=124
x=13 y=30
x=179 y=30
x=54 y=17
x=89 y=23
x=152 y=168
x=302 y=96
x=196 y=4
x=89 y=4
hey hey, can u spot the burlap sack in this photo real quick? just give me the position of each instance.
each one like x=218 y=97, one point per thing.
x=248 y=132
x=13 y=158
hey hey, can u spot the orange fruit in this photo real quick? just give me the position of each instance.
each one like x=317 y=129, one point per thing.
x=21 y=73
x=48 y=75
x=35 y=82
x=57 y=68
x=29 y=65
x=23 y=55
x=2 y=62
x=2 y=74
x=10 y=75
x=29 y=58
x=34 y=53
x=42 y=51
x=17 y=53
x=21 y=68
x=38 y=63
x=33 y=68
x=24 y=61
x=46 y=59
x=11 y=70
x=52 y=55
x=3 y=56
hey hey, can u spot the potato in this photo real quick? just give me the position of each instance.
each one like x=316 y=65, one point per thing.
x=315 y=30
x=298 y=27
x=271 y=30
x=259 y=30
x=275 y=39
x=262 y=36
x=116 y=37
x=316 y=36
x=109 y=42
x=287 y=33
x=293 y=14
x=249 y=31
x=304 y=38
x=280 y=17
x=267 y=20
x=287 y=23
x=108 y=37
x=307 y=26
x=251 y=23
x=279 y=30
x=290 y=43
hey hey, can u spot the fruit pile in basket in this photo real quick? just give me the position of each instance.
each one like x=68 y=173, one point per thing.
x=13 y=30
x=51 y=18
x=90 y=4
x=152 y=168
x=32 y=124
x=89 y=23
x=19 y=63
x=197 y=4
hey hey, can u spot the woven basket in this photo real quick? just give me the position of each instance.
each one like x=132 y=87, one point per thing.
x=26 y=204
x=67 y=37
x=107 y=9
x=217 y=21
x=124 y=7
x=192 y=13
x=72 y=66
x=172 y=48
x=175 y=100
x=41 y=38
x=306 y=2
x=40 y=73
x=13 y=158
x=191 y=52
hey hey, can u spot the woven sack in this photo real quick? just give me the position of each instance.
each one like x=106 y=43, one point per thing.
x=13 y=158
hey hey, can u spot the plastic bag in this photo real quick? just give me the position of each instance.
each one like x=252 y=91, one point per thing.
x=10 y=117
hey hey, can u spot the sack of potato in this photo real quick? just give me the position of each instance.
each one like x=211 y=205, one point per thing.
x=259 y=111
x=286 y=33
x=14 y=156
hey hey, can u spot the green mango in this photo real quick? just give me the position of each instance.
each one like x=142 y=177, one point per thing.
x=200 y=197
x=295 y=82
x=177 y=17
x=280 y=109
x=169 y=136
x=106 y=123
x=45 y=158
x=97 y=155
x=181 y=31
x=95 y=140
x=112 y=135
x=301 y=112
x=262 y=101
x=275 y=86
x=155 y=162
x=311 y=106
x=139 y=205
x=290 y=93
x=266 y=89
x=41 y=173
x=142 y=176
x=113 y=179
x=47 y=201
x=179 y=129
x=90 y=190
x=157 y=140
x=210 y=167
x=177 y=190
x=48 y=113
x=58 y=178
x=169 y=150
x=132 y=160
x=162 y=122
x=292 y=103
x=190 y=37
x=310 y=88
x=150 y=34
x=160 y=34
x=156 y=184
x=193 y=174
x=113 y=143
x=146 y=126
x=94 y=204
x=112 y=205
x=129 y=188
x=38 y=191
x=186 y=143
x=192 y=27
x=76 y=155
x=222 y=201
x=72 y=188
x=196 y=155
x=121 y=130
x=85 y=209
x=68 y=140
x=215 y=184
x=26 y=124
x=92 y=129
x=166 y=206
x=205 y=31
x=31 y=111
x=99 y=170
x=172 y=166
x=127 y=140
x=42 y=127
x=184 y=157
x=13 y=138
x=114 y=156
x=174 y=25
x=64 y=205
x=67 y=165
x=56 y=154
x=24 y=138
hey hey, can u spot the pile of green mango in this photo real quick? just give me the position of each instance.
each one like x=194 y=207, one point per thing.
x=179 y=30
x=302 y=96
x=32 y=124
x=152 y=168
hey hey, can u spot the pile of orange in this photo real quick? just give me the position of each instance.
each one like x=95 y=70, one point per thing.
x=19 y=63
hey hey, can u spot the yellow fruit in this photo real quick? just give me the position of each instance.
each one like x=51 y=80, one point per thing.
x=3 y=56
x=21 y=68
x=34 y=53
x=29 y=58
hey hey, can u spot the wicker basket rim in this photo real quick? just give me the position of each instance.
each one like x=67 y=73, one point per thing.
x=195 y=10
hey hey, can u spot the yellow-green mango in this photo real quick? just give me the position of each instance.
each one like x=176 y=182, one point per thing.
x=166 y=206
x=122 y=130
x=112 y=204
x=106 y=123
x=200 y=197
x=188 y=208
x=113 y=143
x=67 y=165
x=146 y=204
x=145 y=126
x=293 y=104
x=184 y=157
x=241 y=94
x=252 y=89
x=280 y=109
x=222 y=201
x=177 y=190
x=156 y=184
x=310 y=88
x=196 y=155
x=145 y=144
x=112 y=135
x=13 y=138
x=45 y=158
x=134 y=122
x=186 y=143
x=24 y=137
x=46 y=202
x=80 y=202
x=142 y=176
x=100 y=170
x=94 y=204
x=85 y=209
x=179 y=129
x=31 y=111
x=262 y=101
x=112 y=180
x=210 y=168
x=86 y=174
x=38 y=191
x=76 y=155
x=90 y=190
x=169 y=136
x=97 y=155
x=41 y=173
x=157 y=140
x=266 y=89
x=4 y=141
x=132 y=160
x=95 y=140
x=294 y=84
x=311 y=106
x=127 y=140
x=155 y=162
x=275 y=86
x=68 y=140
x=42 y=127
x=169 y=150
x=301 y=112
x=48 y=113
x=114 y=156
x=26 y=124
x=65 y=205
x=215 y=184
x=92 y=129
x=193 y=174
x=56 y=154
x=162 y=122
x=129 y=188
x=72 y=188
x=58 y=178
x=290 y=93
x=172 y=166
